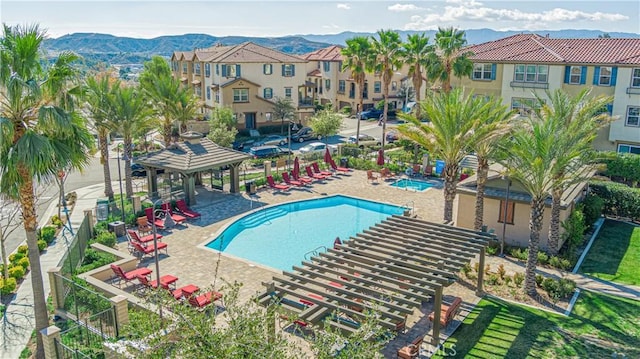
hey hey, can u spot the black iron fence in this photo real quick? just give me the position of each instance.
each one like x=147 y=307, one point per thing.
x=83 y=338
x=76 y=247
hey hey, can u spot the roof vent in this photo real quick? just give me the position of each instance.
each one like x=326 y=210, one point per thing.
x=191 y=137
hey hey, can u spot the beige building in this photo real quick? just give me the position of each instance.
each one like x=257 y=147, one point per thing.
x=519 y=66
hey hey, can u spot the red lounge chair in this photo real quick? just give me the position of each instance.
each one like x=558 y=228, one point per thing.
x=306 y=180
x=205 y=299
x=159 y=221
x=150 y=249
x=277 y=187
x=188 y=212
x=185 y=291
x=316 y=169
x=176 y=217
x=290 y=182
x=130 y=275
x=144 y=239
x=316 y=176
x=165 y=281
x=332 y=163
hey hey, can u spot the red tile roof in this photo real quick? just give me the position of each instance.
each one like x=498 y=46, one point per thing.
x=331 y=53
x=536 y=48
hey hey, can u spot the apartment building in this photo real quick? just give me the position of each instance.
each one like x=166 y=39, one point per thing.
x=247 y=78
x=521 y=66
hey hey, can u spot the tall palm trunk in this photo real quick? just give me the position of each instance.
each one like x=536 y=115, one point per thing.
x=385 y=110
x=127 y=167
x=554 y=225
x=446 y=83
x=166 y=133
x=450 y=182
x=417 y=83
x=535 y=226
x=27 y=203
x=481 y=180
x=104 y=160
x=360 y=104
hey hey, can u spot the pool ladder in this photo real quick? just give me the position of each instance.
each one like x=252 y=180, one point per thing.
x=410 y=207
x=314 y=252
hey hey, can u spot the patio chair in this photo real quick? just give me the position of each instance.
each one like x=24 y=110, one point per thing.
x=141 y=251
x=386 y=173
x=143 y=225
x=127 y=277
x=166 y=281
x=412 y=350
x=185 y=291
x=296 y=176
x=144 y=239
x=316 y=176
x=371 y=176
x=205 y=299
x=447 y=312
x=316 y=169
x=278 y=187
x=416 y=170
x=186 y=211
x=290 y=182
x=179 y=219
x=159 y=217
x=335 y=168
x=428 y=171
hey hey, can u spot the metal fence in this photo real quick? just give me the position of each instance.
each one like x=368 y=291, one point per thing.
x=84 y=338
x=76 y=247
x=80 y=301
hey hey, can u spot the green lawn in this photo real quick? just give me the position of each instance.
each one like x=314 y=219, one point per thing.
x=497 y=329
x=615 y=254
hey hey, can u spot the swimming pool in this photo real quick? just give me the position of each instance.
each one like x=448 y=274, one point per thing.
x=411 y=184
x=280 y=236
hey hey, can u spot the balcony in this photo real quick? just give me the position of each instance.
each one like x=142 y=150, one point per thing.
x=534 y=85
x=633 y=90
x=307 y=102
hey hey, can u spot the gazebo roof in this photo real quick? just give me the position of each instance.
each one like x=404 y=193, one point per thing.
x=195 y=154
x=393 y=266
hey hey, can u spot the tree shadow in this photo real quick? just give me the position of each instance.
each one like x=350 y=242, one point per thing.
x=609 y=248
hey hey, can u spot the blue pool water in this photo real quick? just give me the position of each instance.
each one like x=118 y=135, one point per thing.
x=280 y=236
x=411 y=184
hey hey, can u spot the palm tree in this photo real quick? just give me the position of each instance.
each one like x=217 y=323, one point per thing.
x=580 y=118
x=185 y=108
x=387 y=50
x=449 y=58
x=357 y=55
x=490 y=129
x=97 y=92
x=448 y=134
x=129 y=112
x=417 y=53
x=41 y=133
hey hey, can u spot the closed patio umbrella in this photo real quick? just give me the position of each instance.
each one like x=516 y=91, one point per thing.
x=296 y=166
x=380 y=157
x=327 y=156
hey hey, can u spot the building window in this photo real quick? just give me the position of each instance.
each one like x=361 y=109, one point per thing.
x=174 y=66
x=635 y=78
x=523 y=105
x=268 y=92
x=217 y=96
x=483 y=72
x=196 y=68
x=208 y=93
x=184 y=68
x=198 y=90
x=327 y=66
x=575 y=75
x=531 y=73
x=342 y=85
x=240 y=95
x=327 y=84
x=287 y=92
x=267 y=69
x=377 y=86
x=633 y=116
x=288 y=70
x=394 y=85
x=510 y=206
x=207 y=70
x=629 y=149
x=604 y=77
x=231 y=70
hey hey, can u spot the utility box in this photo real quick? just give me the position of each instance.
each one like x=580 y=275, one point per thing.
x=117 y=227
x=102 y=209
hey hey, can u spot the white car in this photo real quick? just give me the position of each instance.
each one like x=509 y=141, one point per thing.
x=365 y=141
x=317 y=147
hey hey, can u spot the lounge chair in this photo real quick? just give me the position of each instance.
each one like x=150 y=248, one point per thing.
x=141 y=250
x=428 y=171
x=130 y=275
x=159 y=217
x=290 y=182
x=316 y=176
x=185 y=291
x=144 y=239
x=296 y=176
x=316 y=169
x=166 y=281
x=385 y=173
x=335 y=168
x=371 y=176
x=278 y=187
x=205 y=299
x=186 y=211
x=143 y=225
x=179 y=219
x=416 y=170
x=412 y=350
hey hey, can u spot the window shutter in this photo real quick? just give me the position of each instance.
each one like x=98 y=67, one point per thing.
x=293 y=70
x=583 y=75
x=596 y=75
x=567 y=74
x=224 y=70
x=610 y=108
x=614 y=74
x=238 y=71
x=217 y=69
x=283 y=66
x=493 y=71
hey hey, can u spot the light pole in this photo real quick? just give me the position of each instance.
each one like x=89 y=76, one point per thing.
x=120 y=181
x=295 y=128
x=61 y=177
x=155 y=252
x=504 y=215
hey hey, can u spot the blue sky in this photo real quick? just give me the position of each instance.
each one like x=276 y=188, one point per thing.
x=146 y=19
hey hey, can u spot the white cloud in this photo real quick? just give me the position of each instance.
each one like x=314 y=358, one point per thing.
x=403 y=7
x=330 y=26
x=343 y=6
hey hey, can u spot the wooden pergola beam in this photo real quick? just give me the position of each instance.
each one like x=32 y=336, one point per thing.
x=479 y=238
x=418 y=238
x=453 y=240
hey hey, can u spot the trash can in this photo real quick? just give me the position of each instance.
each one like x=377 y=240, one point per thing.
x=117 y=227
x=250 y=186
x=344 y=162
x=102 y=209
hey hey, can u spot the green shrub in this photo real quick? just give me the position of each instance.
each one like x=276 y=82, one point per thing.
x=624 y=166
x=565 y=264
x=47 y=234
x=23 y=262
x=558 y=289
x=101 y=226
x=107 y=238
x=494 y=279
x=501 y=271
x=507 y=279
x=492 y=250
x=543 y=258
x=42 y=245
x=560 y=263
x=539 y=279
x=94 y=259
x=23 y=249
x=8 y=286
x=346 y=110
x=619 y=199
x=466 y=269
x=16 y=272
x=520 y=254
x=549 y=285
x=574 y=229
x=566 y=287
x=15 y=256
x=56 y=221
x=592 y=207
x=518 y=278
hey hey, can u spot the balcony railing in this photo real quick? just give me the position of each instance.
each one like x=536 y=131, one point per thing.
x=535 y=85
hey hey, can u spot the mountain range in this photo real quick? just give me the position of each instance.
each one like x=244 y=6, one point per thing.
x=118 y=50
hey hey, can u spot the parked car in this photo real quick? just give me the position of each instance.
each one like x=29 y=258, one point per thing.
x=304 y=134
x=138 y=171
x=317 y=147
x=275 y=140
x=268 y=151
x=375 y=113
x=365 y=140
x=392 y=136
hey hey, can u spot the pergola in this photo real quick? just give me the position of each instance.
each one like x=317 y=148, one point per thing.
x=195 y=154
x=394 y=266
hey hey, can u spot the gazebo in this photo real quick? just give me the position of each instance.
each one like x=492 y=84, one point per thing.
x=193 y=155
x=393 y=267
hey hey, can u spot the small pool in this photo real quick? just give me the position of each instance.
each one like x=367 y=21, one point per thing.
x=282 y=236
x=407 y=183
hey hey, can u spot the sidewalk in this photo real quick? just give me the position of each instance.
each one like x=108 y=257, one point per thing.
x=19 y=320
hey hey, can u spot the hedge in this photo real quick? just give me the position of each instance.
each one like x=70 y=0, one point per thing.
x=623 y=165
x=619 y=199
